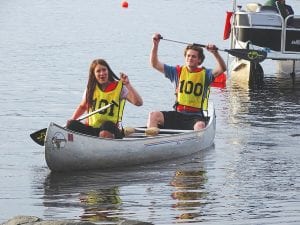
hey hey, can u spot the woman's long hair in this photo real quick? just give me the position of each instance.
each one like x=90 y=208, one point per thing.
x=92 y=82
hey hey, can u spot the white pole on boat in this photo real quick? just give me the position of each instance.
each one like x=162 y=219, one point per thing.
x=232 y=40
x=233 y=5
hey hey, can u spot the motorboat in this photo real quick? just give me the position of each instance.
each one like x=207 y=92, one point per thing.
x=255 y=26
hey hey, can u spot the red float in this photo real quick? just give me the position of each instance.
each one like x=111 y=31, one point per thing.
x=219 y=81
x=125 y=4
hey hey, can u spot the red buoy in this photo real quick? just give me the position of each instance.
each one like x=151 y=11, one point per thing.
x=125 y=4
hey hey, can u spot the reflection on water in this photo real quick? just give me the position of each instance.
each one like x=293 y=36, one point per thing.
x=94 y=193
x=98 y=199
x=277 y=103
x=190 y=194
x=267 y=118
x=113 y=196
x=100 y=205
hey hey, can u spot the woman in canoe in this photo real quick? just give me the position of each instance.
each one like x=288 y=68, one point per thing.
x=103 y=88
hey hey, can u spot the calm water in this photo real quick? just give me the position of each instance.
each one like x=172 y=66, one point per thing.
x=249 y=176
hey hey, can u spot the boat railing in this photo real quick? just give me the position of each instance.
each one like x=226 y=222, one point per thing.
x=293 y=27
x=270 y=20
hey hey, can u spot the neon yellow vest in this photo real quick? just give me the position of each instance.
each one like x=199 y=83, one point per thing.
x=205 y=100
x=102 y=98
x=191 y=89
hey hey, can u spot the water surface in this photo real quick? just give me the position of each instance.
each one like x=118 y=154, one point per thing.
x=249 y=176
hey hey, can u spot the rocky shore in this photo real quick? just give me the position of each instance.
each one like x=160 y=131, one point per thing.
x=33 y=220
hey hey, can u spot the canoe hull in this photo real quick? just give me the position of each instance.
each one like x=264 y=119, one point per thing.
x=66 y=150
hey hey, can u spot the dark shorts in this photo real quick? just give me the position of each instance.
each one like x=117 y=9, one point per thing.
x=181 y=121
x=77 y=126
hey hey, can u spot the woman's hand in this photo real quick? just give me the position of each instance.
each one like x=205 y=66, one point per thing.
x=124 y=78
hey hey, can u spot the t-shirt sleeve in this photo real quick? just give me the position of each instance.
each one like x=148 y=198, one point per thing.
x=171 y=73
x=209 y=76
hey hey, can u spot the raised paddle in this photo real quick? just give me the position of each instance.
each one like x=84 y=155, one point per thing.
x=39 y=136
x=255 y=56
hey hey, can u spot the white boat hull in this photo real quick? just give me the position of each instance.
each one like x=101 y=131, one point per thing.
x=66 y=150
x=286 y=67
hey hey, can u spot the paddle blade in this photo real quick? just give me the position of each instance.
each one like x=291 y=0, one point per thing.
x=255 y=56
x=39 y=136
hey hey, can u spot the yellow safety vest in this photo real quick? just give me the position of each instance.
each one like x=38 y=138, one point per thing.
x=191 y=88
x=112 y=94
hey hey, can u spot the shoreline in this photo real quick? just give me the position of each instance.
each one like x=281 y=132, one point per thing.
x=33 y=220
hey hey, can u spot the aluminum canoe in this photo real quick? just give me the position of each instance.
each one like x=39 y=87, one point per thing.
x=66 y=150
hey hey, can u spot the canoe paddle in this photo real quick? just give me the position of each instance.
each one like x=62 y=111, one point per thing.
x=39 y=136
x=255 y=56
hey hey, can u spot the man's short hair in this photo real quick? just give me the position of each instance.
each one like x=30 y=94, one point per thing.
x=197 y=48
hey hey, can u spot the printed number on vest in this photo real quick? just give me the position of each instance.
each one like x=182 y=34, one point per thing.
x=189 y=87
x=102 y=103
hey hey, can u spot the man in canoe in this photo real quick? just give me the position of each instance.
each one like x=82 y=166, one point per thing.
x=191 y=87
x=104 y=87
